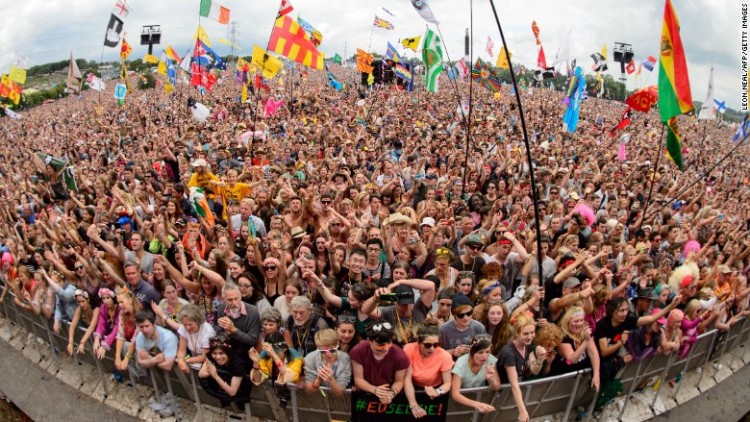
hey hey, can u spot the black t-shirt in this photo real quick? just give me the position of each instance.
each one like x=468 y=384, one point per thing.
x=604 y=329
x=475 y=266
x=509 y=356
x=562 y=366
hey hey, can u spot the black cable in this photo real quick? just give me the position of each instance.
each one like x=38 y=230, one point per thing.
x=534 y=191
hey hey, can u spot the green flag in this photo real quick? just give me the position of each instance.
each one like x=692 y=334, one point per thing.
x=432 y=56
x=674 y=144
x=337 y=59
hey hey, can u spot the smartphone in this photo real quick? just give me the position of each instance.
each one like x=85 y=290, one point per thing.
x=387 y=299
x=721 y=217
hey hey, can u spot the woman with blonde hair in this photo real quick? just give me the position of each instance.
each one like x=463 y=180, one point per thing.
x=577 y=349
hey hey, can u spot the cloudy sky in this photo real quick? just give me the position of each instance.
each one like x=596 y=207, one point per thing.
x=47 y=30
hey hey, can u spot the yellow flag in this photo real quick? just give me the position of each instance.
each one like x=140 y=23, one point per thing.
x=264 y=60
x=17 y=74
x=502 y=61
x=370 y=79
x=229 y=43
x=201 y=34
x=604 y=51
x=168 y=88
x=150 y=58
x=243 y=97
x=162 y=68
x=411 y=43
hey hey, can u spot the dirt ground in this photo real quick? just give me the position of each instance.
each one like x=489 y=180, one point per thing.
x=10 y=413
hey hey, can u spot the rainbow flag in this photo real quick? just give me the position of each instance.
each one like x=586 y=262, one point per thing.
x=674 y=84
x=402 y=72
x=172 y=54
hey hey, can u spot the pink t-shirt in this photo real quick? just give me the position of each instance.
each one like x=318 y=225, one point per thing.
x=427 y=372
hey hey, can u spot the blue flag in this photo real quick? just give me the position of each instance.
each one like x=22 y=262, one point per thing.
x=334 y=83
x=741 y=131
x=573 y=100
x=392 y=54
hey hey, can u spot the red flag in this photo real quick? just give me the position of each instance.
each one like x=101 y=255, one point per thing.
x=623 y=123
x=541 y=61
x=285 y=8
x=259 y=84
x=643 y=99
x=290 y=40
x=630 y=67
x=202 y=77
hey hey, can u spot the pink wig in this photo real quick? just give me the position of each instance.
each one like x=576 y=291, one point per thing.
x=691 y=246
x=675 y=315
x=586 y=212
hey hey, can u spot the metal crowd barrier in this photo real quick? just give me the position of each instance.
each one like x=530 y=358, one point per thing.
x=545 y=396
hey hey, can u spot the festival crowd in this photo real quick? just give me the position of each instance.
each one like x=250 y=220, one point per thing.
x=353 y=240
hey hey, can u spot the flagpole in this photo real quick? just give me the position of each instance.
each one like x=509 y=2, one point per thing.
x=534 y=190
x=653 y=176
x=471 y=88
x=707 y=172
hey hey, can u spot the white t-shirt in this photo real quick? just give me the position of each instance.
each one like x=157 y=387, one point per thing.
x=198 y=341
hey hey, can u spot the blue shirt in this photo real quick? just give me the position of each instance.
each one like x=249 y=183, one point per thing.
x=165 y=342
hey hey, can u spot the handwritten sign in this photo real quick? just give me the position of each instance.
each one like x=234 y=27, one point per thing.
x=367 y=407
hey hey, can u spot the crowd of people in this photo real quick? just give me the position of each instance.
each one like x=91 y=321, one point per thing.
x=354 y=240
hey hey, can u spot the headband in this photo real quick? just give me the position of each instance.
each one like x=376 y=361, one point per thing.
x=490 y=288
x=103 y=291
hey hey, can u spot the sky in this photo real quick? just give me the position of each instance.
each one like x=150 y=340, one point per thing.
x=46 y=31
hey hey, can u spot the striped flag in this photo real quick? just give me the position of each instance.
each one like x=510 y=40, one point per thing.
x=215 y=11
x=649 y=63
x=392 y=54
x=285 y=8
x=674 y=83
x=432 y=56
x=402 y=72
x=380 y=23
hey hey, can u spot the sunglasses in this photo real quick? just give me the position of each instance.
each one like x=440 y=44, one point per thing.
x=378 y=327
x=335 y=224
x=79 y=267
x=474 y=247
x=464 y=314
x=430 y=345
x=347 y=318
x=270 y=267
x=325 y=202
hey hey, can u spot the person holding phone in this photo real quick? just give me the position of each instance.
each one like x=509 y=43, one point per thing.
x=456 y=335
x=327 y=366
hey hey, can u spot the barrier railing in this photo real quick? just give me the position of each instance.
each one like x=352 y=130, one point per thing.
x=544 y=396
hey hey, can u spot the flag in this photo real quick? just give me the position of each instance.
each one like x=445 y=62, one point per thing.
x=541 y=61
x=121 y=10
x=630 y=67
x=162 y=67
x=674 y=143
x=95 y=83
x=463 y=69
x=114 y=29
x=482 y=74
x=707 y=110
x=73 y=82
x=604 y=51
x=546 y=73
x=215 y=11
x=262 y=60
x=20 y=61
x=243 y=95
x=720 y=106
x=204 y=55
x=411 y=43
x=258 y=83
x=285 y=8
x=150 y=59
x=424 y=10
x=12 y=114
x=381 y=23
x=490 y=46
x=364 y=61
x=563 y=52
x=392 y=54
x=289 y=39
x=503 y=61
x=334 y=83
x=171 y=73
x=432 y=56
x=600 y=62
x=741 y=130
x=535 y=30
x=337 y=59
x=638 y=72
x=202 y=78
x=573 y=100
x=674 y=83
x=18 y=75
x=125 y=49
x=649 y=63
x=172 y=54
x=315 y=36
x=200 y=34
x=388 y=12
x=370 y=79
x=229 y=43
x=402 y=72
x=185 y=63
x=622 y=123
x=62 y=167
x=125 y=77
